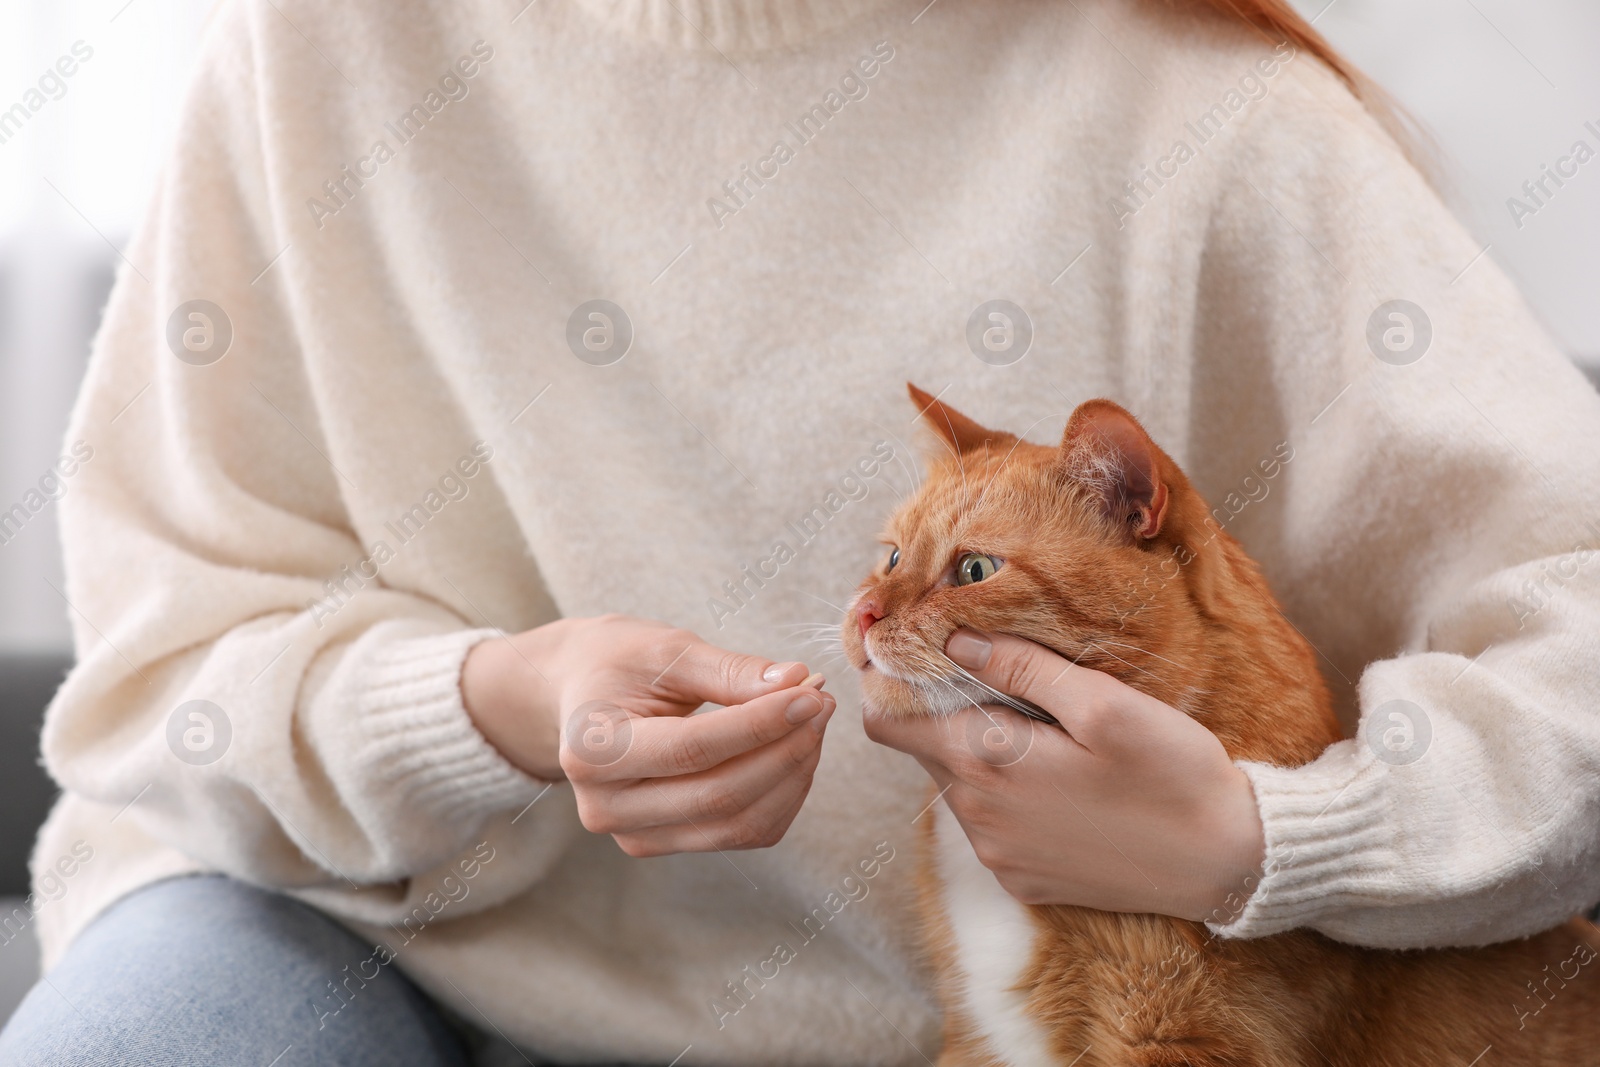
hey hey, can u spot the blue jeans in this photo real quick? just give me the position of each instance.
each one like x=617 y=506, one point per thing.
x=210 y=972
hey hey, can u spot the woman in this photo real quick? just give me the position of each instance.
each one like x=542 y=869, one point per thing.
x=455 y=329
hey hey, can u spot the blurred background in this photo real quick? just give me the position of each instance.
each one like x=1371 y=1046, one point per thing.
x=1504 y=86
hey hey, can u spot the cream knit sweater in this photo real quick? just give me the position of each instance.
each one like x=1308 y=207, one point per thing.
x=394 y=426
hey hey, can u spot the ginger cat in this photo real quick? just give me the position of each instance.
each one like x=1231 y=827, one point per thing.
x=1073 y=530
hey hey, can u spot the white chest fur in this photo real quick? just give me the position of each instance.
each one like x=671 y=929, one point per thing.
x=993 y=943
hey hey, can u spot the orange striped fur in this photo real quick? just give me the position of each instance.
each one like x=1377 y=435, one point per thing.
x=1078 y=526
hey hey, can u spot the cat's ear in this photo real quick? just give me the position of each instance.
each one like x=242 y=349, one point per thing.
x=954 y=428
x=1105 y=449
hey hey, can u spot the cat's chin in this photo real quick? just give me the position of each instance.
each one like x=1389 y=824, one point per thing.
x=888 y=695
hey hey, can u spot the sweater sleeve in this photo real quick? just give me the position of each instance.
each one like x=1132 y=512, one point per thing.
x=1434 y=536
x=233 y=718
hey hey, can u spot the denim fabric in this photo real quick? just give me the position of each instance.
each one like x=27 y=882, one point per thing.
x=210 y=972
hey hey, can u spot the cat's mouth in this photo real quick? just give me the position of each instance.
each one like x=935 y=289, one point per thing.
x=937 y=696
x=918 y=688
x=922 y=690
x=889 y=688
x=894 y=695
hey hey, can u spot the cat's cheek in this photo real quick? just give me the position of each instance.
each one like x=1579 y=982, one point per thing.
x=855 y=652
x=884 y=695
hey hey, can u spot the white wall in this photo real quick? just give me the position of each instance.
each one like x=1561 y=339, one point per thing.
x=72 y=182
x=1505 y=84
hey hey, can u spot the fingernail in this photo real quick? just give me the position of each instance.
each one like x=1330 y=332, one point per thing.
x=777 y=671
x=969 y=649
x=821 y=721
x=802 y=708
x=814 y=681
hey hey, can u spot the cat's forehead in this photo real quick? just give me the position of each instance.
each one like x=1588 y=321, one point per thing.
x=988 y=495
x=967 y=483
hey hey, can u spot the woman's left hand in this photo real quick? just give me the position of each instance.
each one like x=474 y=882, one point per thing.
x=1133 y=807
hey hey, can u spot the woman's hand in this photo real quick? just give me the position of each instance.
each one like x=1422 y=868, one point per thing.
x=606 y=703
x=1134 y=807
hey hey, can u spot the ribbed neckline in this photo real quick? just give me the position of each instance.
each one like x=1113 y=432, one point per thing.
x=730 y=25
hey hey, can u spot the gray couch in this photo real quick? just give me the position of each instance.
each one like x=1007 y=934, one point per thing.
x=26 y=792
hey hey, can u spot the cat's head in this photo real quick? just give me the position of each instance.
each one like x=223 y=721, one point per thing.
x=1097 y=548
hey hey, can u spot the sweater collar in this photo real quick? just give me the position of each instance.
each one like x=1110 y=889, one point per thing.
x=730 y=25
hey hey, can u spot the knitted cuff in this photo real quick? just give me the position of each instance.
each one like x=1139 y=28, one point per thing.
x=418 y=740
x=1326 y=839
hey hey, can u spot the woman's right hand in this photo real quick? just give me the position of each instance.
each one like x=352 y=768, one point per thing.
x=606 y=703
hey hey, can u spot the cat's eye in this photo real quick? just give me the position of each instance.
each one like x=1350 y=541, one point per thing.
x=894 y=557
x=975 y=567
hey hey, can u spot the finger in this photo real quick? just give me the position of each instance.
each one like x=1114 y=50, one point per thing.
x=977 y=743
x=664 y=747
x=761 y=825
x=715 y=675
x=942 y=778
x=1078 y=697
x=709 y=796
x=915 y=735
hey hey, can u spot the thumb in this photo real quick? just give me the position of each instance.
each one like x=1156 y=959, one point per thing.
x=708 y=673
x=1074 y=695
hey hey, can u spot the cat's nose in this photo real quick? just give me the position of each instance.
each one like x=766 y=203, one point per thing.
x=868 y=613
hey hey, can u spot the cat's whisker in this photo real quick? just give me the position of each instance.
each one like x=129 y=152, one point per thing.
x=958 y=692
x=816 y=631
x=926 y=675
x=913 y=475
x=831 y=634
x=842 y=612
x=947 y=722
x=899 y=494
x=1017 y=704
x=1120 y=660
x=961 y=465
x=1145 y=651
x=820 y=633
